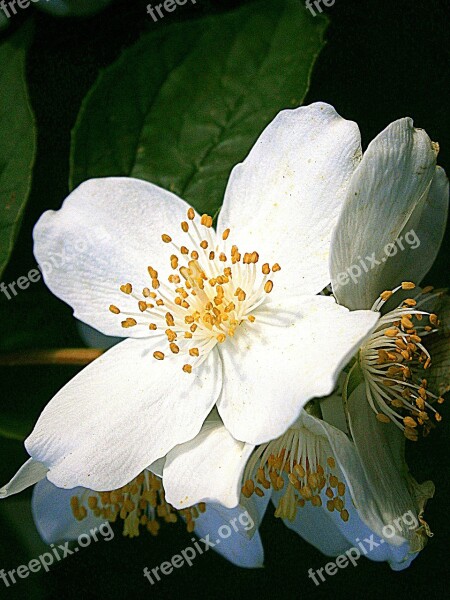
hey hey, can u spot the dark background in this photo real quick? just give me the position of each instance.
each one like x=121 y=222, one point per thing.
x=383 y=60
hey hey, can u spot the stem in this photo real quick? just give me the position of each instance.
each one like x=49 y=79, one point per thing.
x=79 y=357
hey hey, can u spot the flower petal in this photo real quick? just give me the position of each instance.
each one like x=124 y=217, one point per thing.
x=390 y=492
x=392 y=179
x=157 y=467
x=207 y=469
x=236 y=530
x=316 y=526
x=263 y=393
x=106 y=234
x=53 y=515
x=29 y=473
x=421 y=237
x=284 y=199
x=120 y=414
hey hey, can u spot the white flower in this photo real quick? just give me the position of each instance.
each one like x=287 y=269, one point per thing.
x=397 y=184
x=316 y=480
x=144 y=505
x=53 y=511
x=228 y=319
x=389 y=395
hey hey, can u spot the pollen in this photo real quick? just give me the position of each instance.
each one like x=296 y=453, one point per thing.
x=141 y=504
x=127 y=288
x=268 y=287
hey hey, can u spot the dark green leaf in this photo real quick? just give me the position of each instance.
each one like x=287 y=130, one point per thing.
x=17 y=139
x=186 y=103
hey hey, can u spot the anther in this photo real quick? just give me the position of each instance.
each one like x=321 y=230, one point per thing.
x=268 y=287
x=129 y=323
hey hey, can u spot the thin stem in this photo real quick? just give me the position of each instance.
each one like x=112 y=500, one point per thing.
x=79 y=357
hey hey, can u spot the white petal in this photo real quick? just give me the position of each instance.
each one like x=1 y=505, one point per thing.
x=236 y=530
x=393 y=177
x=208 y=469
x=106 y=234
x=271 y=371
x=29 y=473
x=316 y=526
x=121 y=413
x=389 y=493
x=157 y=466
x=53 y=515
x=284 y=200
x=421 y=238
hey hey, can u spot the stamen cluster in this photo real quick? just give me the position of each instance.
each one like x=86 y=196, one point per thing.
x=141 y=503
x=214 y=288
x=395 y=361
x=301 y=464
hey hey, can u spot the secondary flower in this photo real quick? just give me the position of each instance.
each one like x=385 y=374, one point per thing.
x=228 y=318
x=393 y=390
x=316 y=480
x=143 y=504
x=397 y=183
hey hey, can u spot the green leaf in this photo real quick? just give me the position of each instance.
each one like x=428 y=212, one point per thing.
x=17 y=139
x=186 y=103
x=30 y=389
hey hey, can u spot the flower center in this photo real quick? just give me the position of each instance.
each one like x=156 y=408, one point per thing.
x=301 y=464
x=212 y=290
x=140 y=503
x=395 y=360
